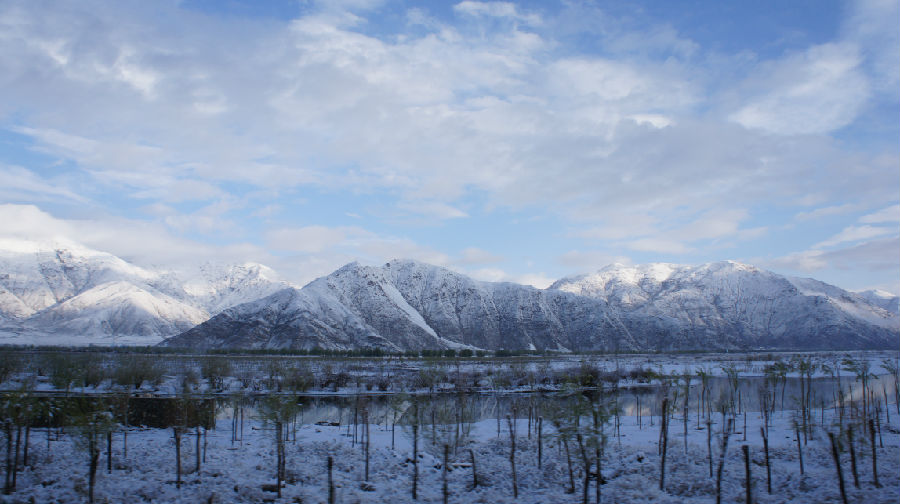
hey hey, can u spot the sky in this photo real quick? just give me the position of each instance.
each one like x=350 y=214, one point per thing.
x=518 y=142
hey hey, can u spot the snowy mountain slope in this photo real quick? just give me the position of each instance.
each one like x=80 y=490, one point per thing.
x=84 y=296
x=733 y=304
x=215 y=287
x=36 y=275
x=406 y=305
x=119 y=308
x=882 y=299
x=505 y=315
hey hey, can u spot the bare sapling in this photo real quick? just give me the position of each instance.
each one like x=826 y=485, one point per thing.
x=874 y=454
x=587 y=468
x=748 y=482
x=799 y=446
x=415 y=461
x=664 y=441
x=837 y=463
x=109 y=463
x=444 y=469
x=709 y=444
x=852 y=446
x=726 y=432
x=765 y=439
x=366 y=445
x=512 y=455
x=176 y=434
x=330 y=480
x=198 y=451
x=540 y=436
x=474 y=469
x=571 y=489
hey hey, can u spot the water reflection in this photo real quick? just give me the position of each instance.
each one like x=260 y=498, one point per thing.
x=450 y=408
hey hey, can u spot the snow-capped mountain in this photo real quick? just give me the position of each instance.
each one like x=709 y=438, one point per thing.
x=727 y=304
x=64 y=293
x=61 y=292
x=409 y=305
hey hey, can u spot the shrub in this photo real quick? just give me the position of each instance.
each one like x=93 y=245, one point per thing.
x=214 y=370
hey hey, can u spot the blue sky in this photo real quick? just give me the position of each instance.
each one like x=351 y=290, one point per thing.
x=510 y=141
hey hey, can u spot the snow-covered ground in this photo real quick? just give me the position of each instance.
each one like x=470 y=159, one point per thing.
x=237 y=472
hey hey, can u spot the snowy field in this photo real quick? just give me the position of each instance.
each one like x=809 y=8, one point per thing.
x=244 y=471
x=465 y=403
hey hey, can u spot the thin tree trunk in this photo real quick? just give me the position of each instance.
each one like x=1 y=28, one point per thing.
x=725 y=434
x=25 y=449
x=664 y=439
x=587 y=470
x=749 y=482
x=837 y=464
x=7 y=486
x=16 y=459
x=799 y=447
x=94 y=462
x=709 y=445
x=197 y=455
x=109 y=452
x=366 y=431
x=874 y=454
x=599 y=477
x=474 y=470
x=540 y=432
x=176 y=433
x=279 y=455
x=444 y=470
x=765 y=438
x=571 y=488
x=415 y=457
x=331 y=480
x=852 y=456
x=512 y=456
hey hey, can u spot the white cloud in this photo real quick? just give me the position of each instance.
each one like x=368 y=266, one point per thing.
x=827 y=211
x=475 y=255
x=20 y=184
x=713 y=224
x=313 y=239
x=537 y=280
x=889 y=214
x=872 y=25
x=853 y=234
x=434 y=209
x=350 y=243
x=145 y=243
x=874 y=255
x=496 y=9
x=818 y=91
x=659 y=245
x=583 y=261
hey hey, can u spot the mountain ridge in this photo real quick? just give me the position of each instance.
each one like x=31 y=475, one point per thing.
x=59 y=291
x=63 y=292
x=408 y=305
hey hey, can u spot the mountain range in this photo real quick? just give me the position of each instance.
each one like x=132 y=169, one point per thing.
x=63 y=293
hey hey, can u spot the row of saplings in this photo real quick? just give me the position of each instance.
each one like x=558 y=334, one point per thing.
x=582 y=428
x=91 y=423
